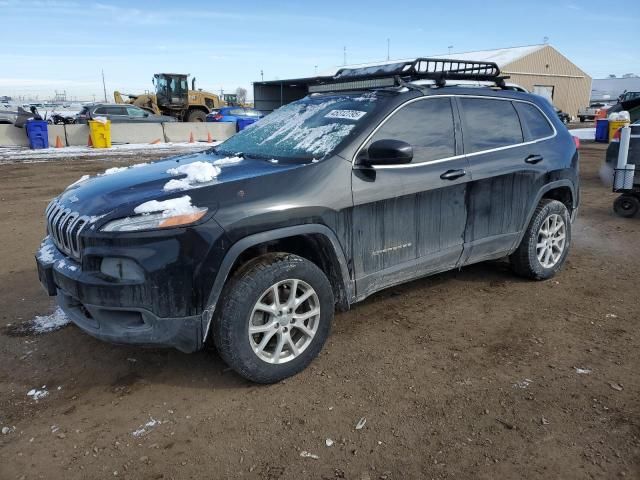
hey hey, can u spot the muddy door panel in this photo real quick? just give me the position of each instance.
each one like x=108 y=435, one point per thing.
x=504 y=181
x=407 y=223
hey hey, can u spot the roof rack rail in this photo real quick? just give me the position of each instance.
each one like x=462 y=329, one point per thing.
x=402 y=73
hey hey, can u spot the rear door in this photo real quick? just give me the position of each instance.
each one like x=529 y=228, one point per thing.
x=508 y=166
x=409 y=220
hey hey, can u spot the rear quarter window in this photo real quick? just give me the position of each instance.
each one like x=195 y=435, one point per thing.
x=489 y=124
x=534 y=124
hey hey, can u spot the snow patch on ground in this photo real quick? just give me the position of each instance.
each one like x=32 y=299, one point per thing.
x=146 y=428
x=175 y=206
x=37 y=394
x=49 y=323
x=25 y=154
x=584 y=133
x=196 y=172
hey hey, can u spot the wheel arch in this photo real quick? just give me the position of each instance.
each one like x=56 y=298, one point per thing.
x=317 y=243
x=562 y=190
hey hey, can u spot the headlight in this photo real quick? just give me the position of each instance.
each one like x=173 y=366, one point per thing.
x=153 y=221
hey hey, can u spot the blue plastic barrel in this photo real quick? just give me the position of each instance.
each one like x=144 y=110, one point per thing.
x=37 y=134
x=602 y=130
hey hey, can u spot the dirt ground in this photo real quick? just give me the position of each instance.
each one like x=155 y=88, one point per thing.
x=469 y=374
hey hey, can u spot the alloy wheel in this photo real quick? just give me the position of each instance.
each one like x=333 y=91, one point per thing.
x=284 y=321
x=551 y=241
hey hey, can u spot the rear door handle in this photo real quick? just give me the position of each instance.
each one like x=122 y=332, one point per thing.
x=453 y=174
x=533 y=159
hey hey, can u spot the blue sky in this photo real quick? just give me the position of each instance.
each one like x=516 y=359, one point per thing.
x=63 y=44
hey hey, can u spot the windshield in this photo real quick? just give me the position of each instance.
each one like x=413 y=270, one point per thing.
x=310 y=128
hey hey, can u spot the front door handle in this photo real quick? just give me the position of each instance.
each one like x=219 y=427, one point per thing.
x=533 y=159
x=453 y=174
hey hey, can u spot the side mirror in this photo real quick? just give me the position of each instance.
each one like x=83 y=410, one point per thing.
x=146 y=114
x=388 y=152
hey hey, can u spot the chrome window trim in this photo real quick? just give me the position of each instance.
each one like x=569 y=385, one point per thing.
x=455 y=157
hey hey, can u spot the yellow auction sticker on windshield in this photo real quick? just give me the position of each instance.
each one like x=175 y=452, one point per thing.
x=346 y=114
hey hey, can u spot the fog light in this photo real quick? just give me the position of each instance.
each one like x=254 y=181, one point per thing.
x=122 y=269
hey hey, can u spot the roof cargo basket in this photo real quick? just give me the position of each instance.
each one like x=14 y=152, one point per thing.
x=401 y=73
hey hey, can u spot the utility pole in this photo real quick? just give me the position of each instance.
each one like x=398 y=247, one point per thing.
x=450 y=47
x=316 y=69
x=344 y=55
x=261 y=75
x=104 y=87
x=388 y=49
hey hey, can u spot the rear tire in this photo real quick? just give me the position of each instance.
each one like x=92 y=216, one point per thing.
x=626 y=206
x=288 y=330
x=545 y=245
x=196 y=116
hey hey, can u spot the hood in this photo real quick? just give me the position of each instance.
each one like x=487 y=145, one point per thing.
x=119 y=190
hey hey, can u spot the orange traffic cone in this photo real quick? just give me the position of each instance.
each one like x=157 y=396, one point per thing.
x=191 y=138
x=90 y=142
x=58 y=142
x=209 y=139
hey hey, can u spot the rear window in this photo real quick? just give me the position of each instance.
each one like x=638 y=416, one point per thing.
x=236 y=111
x=534 y=124
x=489 y=124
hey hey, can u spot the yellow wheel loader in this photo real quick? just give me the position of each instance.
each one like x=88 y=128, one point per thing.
x=173 y=97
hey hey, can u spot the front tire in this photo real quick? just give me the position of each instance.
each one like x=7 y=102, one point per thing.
x=545 y=245
x=274 y=317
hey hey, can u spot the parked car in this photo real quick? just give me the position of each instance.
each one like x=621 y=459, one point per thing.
x=564 y=117
x=254 y=243
x=241 y=116
x=592 y=111
x=57 y=118
x=118 y=113
x=8 y=117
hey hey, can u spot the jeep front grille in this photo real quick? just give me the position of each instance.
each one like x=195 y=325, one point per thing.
x=64 y=227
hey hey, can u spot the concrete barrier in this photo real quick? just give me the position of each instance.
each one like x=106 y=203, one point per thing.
x=136 y=133
x=181 y=132
x=77 y=135
x=13 y=136
x=56 y=131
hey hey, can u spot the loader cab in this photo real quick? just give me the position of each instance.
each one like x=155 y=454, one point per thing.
x=172 y=90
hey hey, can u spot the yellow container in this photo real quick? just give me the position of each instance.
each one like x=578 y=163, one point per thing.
x=614 y=126
x=100 y=133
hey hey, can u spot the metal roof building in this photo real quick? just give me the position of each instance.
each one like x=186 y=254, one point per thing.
x=609 y=89
x=540 y=69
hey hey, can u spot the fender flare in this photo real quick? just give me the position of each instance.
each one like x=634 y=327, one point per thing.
x=252 y=240
x=547 y=188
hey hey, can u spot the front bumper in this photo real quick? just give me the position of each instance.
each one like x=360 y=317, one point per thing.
x=109 y=319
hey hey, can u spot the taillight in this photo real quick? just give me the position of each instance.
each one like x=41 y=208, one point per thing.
x=217 y=117
x=577 y=141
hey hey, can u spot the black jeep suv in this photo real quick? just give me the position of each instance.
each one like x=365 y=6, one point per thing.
x=382 y=177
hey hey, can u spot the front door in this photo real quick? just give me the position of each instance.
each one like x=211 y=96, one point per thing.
x=409 y=220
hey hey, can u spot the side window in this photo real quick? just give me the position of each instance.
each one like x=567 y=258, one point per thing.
x=101 y=111
x=489 y=124
x=115 y=110
x=534 y=124
x=427 y=125
x=135 y=112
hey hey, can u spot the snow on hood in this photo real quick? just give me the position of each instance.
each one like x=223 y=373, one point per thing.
x=174 y=206
x=117 y=194
x=196 y=172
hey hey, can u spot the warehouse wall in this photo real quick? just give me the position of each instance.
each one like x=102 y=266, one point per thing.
x=547 y=66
